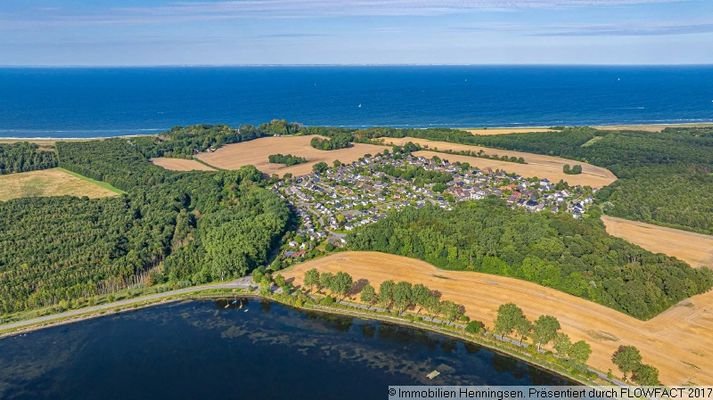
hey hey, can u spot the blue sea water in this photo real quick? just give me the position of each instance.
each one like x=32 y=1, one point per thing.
x=90 y=102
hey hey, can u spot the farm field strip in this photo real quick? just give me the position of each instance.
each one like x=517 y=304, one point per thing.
x=52 y=182
x=180 y=164
x=542 y=166
x=507 y=131
x=677 y=341
x=694 y=248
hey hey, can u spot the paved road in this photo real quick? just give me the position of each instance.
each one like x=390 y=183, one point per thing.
x=242 y=283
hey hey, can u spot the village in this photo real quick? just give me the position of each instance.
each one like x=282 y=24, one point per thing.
x=342 y=198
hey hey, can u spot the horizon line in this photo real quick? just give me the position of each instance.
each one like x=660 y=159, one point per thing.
x=48 y=66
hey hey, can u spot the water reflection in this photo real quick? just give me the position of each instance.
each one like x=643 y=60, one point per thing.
x=241 y=346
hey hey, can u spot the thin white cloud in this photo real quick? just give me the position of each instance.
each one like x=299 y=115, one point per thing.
x=319 y=8
x=630 y=30
x=180 y=11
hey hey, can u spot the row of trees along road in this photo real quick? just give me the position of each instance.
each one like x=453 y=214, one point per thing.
x=403 y=296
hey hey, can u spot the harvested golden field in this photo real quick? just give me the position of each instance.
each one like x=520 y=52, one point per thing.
x=694 y=248
x=49 y=182
x=255 y=152
x=537 y=165
x=180 y=164
x=679 y=342
x=507 y=131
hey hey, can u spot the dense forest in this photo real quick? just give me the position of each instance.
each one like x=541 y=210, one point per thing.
x=575 y=256
x=181 y=227
x=664 y=178
x=23 y=157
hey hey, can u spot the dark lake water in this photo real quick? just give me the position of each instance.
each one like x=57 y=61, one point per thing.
x=201 y=350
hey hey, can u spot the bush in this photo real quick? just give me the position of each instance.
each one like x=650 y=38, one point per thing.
x=475 y=327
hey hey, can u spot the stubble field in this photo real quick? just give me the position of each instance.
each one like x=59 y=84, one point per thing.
x=678 y=341
x=256 y=152
x=538 y=165
x=694 y=248
x=49 y=182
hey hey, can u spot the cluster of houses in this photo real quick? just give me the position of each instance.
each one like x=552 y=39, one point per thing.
x=332 y=203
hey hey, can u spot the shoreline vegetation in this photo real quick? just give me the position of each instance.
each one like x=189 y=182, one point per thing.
x=215 y=292
x=502 y=130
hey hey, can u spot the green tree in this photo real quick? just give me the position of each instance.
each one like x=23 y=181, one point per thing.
x=474 y=327
x=342 y=283
x=386 y=293
x=510 y=317
x=326 y=280
x=562 y=344
x=421 y=295
x=627 y=359
x=320 y=167
x=580 y=352
x=402 y=296
x=311 y=279
x=646 y=375
x=368 y=295
x=452 y=311
x=523 y=328
x=545 y=330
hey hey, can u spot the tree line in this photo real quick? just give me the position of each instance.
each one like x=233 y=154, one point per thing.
x=338 y=141
x=394 y=296
x=575 y=256
x=286 y=159
x=572 y=170
x=404 y=296
x=24 y=157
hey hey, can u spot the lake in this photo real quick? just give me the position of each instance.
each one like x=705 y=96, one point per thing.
x=200 y=349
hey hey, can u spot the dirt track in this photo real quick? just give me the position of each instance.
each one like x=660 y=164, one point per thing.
x=679 y=342
x=180 y=164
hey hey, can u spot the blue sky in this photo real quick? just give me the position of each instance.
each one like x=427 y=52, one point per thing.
x=180 y=32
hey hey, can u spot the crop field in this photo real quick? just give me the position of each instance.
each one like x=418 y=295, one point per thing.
x=255 y=152
x=538 y=165
x=49 y=182
x=678 y=341
x=694 y=248
x=180 y=164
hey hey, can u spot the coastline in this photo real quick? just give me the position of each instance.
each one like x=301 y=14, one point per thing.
x=655 y=126
x=208 y=292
